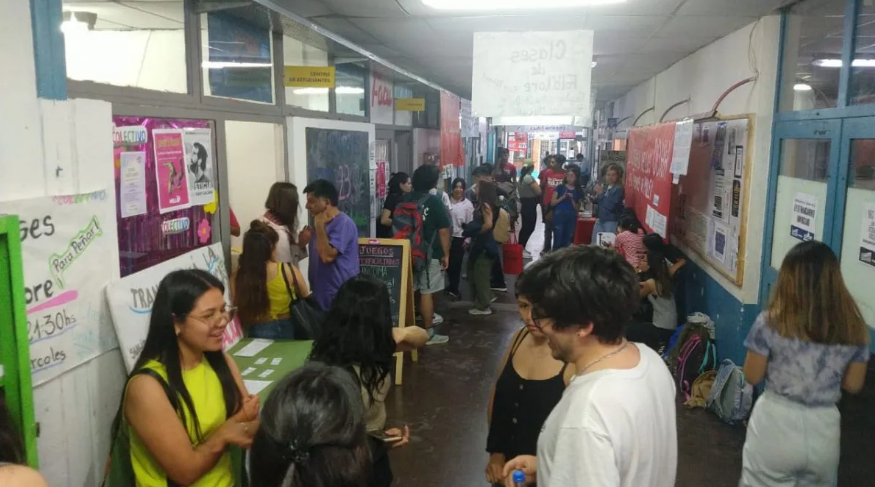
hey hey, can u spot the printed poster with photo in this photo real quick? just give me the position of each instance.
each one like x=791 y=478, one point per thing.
x=199 y=165
x=170 y=170
x=132 y=184
x=867 y=235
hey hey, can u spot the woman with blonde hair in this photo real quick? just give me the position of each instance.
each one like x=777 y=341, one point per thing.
x=809 y=344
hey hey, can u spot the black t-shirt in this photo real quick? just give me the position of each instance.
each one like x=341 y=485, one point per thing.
x=392 y=201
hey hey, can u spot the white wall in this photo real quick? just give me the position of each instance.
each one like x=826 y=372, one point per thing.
x=149 y=59
x=36 y=138
x=702 y=77
x=255 y=162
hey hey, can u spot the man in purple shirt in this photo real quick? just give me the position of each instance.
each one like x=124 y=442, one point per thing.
x=334 y=248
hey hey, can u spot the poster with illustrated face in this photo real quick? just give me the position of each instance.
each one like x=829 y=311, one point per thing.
x=199 y=165
x=170 y=170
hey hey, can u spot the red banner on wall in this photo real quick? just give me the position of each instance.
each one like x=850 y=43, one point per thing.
x=648 y=179
x=451 y=133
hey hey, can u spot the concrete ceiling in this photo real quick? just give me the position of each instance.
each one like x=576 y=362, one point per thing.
x=633 y=41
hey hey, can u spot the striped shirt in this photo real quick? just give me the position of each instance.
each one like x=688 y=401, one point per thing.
x=631 y=246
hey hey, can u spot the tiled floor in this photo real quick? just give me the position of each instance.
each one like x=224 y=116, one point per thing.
x=444 y=399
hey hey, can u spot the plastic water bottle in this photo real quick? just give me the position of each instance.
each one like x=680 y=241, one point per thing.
x=519 y=478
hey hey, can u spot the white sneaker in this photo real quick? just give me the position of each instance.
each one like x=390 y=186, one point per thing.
x=437 y=320
x=480 y=312
x=436 y=339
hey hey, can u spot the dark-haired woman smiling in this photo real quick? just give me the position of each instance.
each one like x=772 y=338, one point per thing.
x=358 y=336
x=182 y=360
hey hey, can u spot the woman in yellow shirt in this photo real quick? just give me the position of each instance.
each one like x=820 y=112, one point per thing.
x=262 y=288
x=187 y=444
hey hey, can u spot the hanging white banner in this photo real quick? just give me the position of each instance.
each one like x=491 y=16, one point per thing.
x=532 y=73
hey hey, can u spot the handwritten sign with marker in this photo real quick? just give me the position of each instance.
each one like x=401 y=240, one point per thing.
x=389 y=260
x=65 y=242
x=131 y=299
x=532 y=73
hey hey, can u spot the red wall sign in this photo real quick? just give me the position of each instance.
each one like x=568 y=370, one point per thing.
x=648 y=179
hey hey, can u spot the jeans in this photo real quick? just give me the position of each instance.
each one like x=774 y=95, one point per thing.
x=454 y=272
x=564 y=226
x=529 y=214
x=281 y=329
x=791 y=444
x=602 y=227
x=478 y=275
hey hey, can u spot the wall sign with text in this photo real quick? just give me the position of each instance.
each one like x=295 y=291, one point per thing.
x=309 y=76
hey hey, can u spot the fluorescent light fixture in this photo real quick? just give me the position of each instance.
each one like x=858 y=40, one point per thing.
x=340 y=90
x=837 y=63
x=513 y=4
x=222 y=65
x=802 y=87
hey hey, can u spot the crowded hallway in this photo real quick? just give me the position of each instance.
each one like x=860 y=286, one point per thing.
x=416 y=243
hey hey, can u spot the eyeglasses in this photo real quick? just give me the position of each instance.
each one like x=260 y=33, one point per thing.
x=539 y=321
x=217 y=316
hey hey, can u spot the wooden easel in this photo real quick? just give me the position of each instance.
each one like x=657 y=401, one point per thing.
x=405 y=297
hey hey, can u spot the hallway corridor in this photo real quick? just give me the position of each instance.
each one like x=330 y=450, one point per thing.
x=444 y=399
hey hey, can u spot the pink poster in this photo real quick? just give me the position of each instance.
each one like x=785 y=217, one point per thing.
x=170 y=170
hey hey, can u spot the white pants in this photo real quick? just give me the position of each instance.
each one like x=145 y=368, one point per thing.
x=790 y=444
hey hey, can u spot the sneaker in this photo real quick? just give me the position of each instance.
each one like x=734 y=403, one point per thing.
x=436 y=339
x=437 y=320
x=480 y=312
x=494 y=299
x=527 y=254
x=453 y=294
x=499 y=289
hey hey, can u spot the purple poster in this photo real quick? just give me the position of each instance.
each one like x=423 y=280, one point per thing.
x=170 y=170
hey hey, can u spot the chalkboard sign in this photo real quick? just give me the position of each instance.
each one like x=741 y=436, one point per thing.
x=386 y=263
x=389 y=261
x=343 y=157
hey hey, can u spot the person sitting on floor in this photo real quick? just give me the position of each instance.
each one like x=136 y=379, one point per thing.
x=658 y=297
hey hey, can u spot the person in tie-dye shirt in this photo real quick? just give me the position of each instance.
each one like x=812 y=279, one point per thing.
x=809 y=344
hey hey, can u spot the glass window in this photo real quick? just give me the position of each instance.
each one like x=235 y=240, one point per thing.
x=297 y=53
x=803 y=177
x=812 y=55
x=237 y=58
x=862 y=89
x=350 y=89
x=858 y=241
x=140 y=45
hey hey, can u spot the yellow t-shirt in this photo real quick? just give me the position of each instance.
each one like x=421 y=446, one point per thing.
x=206 y=394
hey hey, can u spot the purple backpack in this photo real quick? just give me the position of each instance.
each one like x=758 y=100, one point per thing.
x=697 y=356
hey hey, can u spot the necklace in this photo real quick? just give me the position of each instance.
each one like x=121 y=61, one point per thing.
x=603 y=357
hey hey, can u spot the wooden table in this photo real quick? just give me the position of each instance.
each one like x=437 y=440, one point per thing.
x=583 y=231
x=293 y=354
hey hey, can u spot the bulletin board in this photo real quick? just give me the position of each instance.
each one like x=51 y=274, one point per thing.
x=166 y=182
x=710 y=205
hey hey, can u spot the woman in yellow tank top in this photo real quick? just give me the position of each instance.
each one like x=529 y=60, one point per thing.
x=263 y=288
x=187 y=445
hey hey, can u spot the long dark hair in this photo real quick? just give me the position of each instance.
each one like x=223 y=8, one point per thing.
x=526 y=170
x=177 y=295
x=259 y=243
x=630 y=223
x=11 y=448
x=358 y=331
x=396 y=181
x=283 y=204
x=312 y=432
x=488 y=194
x=576 y=171
x=660 y=273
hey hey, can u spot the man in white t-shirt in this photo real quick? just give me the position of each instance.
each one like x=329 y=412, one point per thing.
x=615 y=425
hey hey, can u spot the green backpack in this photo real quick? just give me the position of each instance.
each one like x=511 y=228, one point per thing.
x=119 y=471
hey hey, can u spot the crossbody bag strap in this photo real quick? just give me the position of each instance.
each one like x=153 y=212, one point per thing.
x=292 y=296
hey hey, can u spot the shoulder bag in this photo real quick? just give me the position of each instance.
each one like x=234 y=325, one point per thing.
x=305 y=313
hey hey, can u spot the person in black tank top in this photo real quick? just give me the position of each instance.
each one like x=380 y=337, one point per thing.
x=519 y=405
